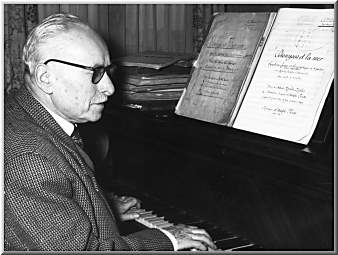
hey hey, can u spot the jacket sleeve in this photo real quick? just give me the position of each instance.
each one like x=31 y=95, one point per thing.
x=40 y=213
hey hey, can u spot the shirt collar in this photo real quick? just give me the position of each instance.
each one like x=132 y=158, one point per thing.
x=64 y=124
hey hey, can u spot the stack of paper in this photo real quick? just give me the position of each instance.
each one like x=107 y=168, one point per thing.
x=152 y=89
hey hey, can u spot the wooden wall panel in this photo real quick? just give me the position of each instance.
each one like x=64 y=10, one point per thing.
x=162 y=29
x=147 y=28
x=93 y=17
x=176 y=28
x=116 y=29
x=218 y=8
x=64 y=8
x=188 y=29
x=133 y=28
x=80 y=10
x=51 y=9
x=103 y=29
x=44 y=10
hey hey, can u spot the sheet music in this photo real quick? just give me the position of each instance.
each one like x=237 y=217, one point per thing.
x=293 y=76
x=222 y=66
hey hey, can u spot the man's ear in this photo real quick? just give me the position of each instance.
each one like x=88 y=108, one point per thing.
x=42 y=78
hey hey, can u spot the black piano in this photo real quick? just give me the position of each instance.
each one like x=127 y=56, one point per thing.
x=278 y=195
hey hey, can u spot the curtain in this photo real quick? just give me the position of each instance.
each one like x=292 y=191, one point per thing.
x=19 y=19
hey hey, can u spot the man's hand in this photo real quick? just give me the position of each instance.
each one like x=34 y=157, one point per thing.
x=124 y=204
x=190 y=237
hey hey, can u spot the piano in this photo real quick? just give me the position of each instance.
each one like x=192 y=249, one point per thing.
x=261 y=192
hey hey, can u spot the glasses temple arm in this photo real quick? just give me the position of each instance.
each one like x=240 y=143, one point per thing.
x=68 y=63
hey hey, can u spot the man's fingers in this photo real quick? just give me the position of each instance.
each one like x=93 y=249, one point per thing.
x=205 y=239
x=193 y=244
x=126 y=199
x=133 y=201
x=192 y=238
x=129 y=216
x=128 y=202
x=195 y=230
x=201 y=234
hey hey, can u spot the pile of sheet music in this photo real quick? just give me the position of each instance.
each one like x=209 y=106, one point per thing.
x=146 y=86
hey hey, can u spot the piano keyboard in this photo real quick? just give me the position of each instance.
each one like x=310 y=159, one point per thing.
x=162 y=215
x=150 y=220
x=224 y=240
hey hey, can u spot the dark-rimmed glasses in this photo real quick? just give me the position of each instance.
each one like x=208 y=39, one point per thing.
x=98 y=71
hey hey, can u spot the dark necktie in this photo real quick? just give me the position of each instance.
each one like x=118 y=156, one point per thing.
x=77 y=138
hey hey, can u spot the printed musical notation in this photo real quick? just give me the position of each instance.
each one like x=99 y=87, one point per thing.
x=265 y=73
x=292 y=78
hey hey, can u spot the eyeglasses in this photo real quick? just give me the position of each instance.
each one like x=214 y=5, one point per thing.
x=98 y=71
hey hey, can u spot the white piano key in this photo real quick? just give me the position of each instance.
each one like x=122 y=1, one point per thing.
x=148 y=217
x=165 y=225
x=156 y=219
x=145 y=213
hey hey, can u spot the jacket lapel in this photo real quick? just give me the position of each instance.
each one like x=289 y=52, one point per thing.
x=57 y=135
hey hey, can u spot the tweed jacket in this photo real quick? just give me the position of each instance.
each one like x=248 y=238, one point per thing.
x=52 y=201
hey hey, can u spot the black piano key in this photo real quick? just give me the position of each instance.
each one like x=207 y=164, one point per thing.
x=231 y=243
x=153 y=205
x=166 y=211
x=181 y=218
x=215 y=232
x=177 y=216
x=205 y=225
x=218 y=234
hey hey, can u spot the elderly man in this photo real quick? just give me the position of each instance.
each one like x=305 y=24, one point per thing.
x=52 y=200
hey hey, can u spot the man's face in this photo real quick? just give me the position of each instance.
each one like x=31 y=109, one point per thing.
x=74 y=96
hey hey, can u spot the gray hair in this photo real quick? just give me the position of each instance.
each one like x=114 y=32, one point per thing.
x=46 y=30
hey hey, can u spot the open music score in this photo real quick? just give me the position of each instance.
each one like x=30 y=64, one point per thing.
x=224 y=240
x=264 y=73
x=293 y=77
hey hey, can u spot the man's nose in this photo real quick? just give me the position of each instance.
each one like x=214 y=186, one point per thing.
x=106 y=86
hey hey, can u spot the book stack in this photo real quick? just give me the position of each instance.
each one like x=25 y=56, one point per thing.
x=152 y=81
